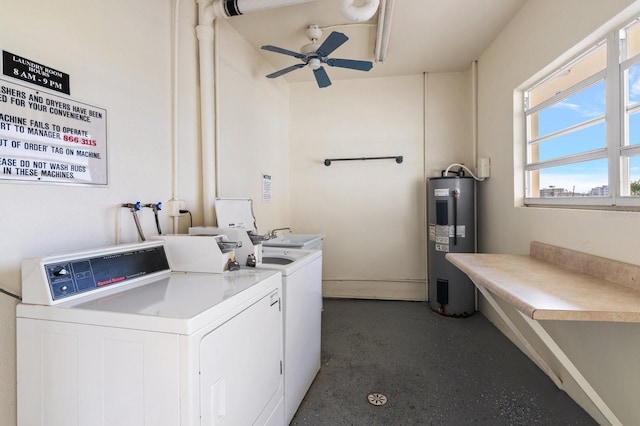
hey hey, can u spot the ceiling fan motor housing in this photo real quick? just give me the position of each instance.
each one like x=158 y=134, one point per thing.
x=309 y=49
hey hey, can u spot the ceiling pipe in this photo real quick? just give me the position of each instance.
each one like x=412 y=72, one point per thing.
x=229 y=8
x=359 y=13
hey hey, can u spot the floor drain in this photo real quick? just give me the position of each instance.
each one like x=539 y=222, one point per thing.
x=376 y=398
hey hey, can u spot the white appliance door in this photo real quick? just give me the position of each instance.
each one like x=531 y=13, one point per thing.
x=303 y=324
x=240 y=366
x=78 y=374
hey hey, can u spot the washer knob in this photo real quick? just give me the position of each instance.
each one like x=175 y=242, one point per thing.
x=60 y=272
x=64 y=288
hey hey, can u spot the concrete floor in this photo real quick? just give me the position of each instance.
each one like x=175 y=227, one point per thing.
x=434 y=370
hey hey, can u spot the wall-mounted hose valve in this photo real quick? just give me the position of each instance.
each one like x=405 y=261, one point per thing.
x=134 y=207
x=156 y=208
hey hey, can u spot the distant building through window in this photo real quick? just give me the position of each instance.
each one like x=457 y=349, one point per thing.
x=552 y=191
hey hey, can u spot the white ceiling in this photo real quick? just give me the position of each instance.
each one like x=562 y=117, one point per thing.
x=426 y=35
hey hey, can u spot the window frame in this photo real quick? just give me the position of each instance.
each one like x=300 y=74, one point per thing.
x=625 y=148
x=616 y=150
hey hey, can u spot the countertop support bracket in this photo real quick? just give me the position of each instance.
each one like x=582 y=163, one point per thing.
x=536 y=357
x=531 y=285
x=571 y=369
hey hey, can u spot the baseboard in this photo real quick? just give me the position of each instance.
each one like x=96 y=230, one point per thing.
x=387 y=290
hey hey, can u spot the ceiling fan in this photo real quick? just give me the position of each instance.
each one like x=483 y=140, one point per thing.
x=315 y=54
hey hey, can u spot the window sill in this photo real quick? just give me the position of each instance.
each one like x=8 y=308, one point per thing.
x=629 y=204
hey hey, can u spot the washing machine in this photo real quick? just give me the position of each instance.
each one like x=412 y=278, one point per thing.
x=114 y=337
x=302 y=289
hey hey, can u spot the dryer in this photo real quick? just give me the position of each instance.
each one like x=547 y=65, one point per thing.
x=114 y=337
x=302 y=307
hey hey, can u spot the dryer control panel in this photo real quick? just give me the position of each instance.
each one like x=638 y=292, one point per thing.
x=56 y=278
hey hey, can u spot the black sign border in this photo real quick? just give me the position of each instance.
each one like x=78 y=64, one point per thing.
x=24 y=69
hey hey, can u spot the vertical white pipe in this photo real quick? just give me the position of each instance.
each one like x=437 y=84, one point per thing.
x=174 y=122
x=216 y=100
x=474 y=141
x=425 y=179
x=205 y=34
x=474 y=112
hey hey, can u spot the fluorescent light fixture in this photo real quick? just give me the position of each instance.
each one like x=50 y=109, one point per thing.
x=384 y=29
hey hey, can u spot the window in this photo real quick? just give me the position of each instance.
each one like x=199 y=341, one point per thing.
x=583 y=127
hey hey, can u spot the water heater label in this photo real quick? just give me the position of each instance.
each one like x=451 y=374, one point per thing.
x=442 y=231
x=461 y=231
x=432 y=232
x=441 y=192
x=442 y=247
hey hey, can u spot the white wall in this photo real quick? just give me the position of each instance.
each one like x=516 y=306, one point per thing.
x=254 y=130
x=119 y=57
x=373 y=212
x=118 y=61
x=448 y=123
x=541 y=32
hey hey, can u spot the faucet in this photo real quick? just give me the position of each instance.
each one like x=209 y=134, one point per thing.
x=273 y=234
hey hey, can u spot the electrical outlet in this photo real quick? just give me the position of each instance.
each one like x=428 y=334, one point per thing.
x=484 y=167
x=173 y=207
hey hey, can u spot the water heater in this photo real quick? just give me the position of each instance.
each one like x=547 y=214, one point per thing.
x=451 y=219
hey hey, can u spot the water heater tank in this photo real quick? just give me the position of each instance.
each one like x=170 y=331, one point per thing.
x=451 y=219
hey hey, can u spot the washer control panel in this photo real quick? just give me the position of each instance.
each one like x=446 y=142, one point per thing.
x=83 y=273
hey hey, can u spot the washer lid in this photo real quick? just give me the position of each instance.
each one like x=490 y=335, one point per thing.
x=179 y=296
x=180 y=303
x=236 y=213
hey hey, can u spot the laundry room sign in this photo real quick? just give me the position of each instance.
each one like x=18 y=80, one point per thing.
x=48 y=138
x=32 y=72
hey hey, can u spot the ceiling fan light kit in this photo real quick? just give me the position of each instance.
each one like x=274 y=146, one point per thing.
x=314 y=63
x=316 y=55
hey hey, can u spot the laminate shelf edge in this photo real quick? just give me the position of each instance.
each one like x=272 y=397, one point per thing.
x=543 y=290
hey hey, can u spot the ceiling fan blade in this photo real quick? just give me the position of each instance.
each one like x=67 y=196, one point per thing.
x=284 y=51
x=285 y=70
x=349 y=63
x=332 y=42
x=321 y=77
